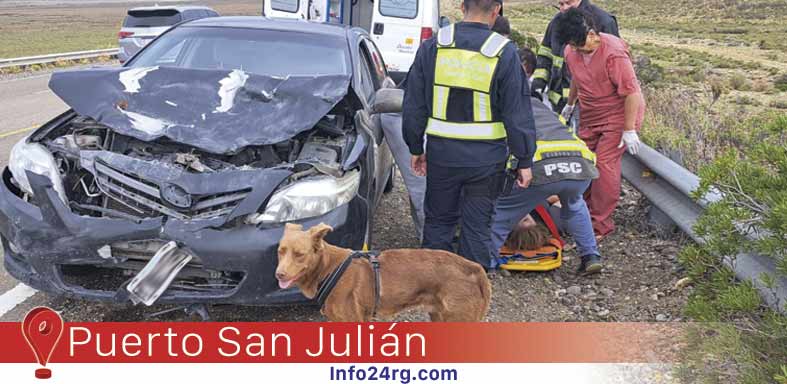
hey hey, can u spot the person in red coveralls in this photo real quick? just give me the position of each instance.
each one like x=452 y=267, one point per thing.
x=611 y=106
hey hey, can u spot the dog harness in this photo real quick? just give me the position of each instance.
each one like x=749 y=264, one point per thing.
x=327 y=285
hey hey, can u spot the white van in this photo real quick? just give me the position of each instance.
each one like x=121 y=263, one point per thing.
x=397 y=26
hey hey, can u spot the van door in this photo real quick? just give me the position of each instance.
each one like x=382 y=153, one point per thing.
x=289 y=9
x=398 y=27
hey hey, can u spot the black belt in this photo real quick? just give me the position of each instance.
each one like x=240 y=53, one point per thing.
x=327 y=285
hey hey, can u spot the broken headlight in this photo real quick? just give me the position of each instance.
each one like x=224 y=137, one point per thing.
x=309 y=198
x=33 y=157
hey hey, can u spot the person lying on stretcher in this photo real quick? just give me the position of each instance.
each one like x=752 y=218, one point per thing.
x=531 y=232
x=535 y=243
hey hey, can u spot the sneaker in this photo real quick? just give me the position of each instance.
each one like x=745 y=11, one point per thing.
x=591 y=264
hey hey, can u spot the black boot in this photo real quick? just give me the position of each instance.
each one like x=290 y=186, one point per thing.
x=591 y=264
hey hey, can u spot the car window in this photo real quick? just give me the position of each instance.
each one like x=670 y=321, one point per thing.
x=367 y=81
x=152 y=18
x=377 y=62
x=285 y=5
x=258 y=51
x=405 y=9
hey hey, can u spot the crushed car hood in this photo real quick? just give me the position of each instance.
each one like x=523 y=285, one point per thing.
x=218 y=111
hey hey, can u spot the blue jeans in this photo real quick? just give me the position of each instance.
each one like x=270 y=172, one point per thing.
x=574 y=214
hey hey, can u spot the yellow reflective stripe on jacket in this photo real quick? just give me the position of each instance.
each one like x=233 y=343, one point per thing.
x=541 y=73
x=440 y=101
x=459 y=68
x=466 y=131
x=482 y=105
x=576 y=145
x=545 y=51
x=554 y=97
x=566 y=92
x=557 y=62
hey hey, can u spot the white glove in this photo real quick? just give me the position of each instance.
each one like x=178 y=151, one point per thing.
x=631 y=140
x=568 y=110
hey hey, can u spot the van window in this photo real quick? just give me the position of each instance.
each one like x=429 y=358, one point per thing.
x=285 y=5
x=152 y=18
x=405 y=9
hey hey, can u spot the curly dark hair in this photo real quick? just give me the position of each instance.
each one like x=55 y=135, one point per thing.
x=528 y=58
x=573 y=26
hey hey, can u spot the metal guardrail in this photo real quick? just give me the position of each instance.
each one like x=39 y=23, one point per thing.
x=667 y=186
x=45 y=59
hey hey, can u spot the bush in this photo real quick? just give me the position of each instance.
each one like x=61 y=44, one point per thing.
x=781 y=82
x=739 y=82
x=747 y=343
x=779 y=104
x=762 y=86
x=647 y=71
x=523 y=40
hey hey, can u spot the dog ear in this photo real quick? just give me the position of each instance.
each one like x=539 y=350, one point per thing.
x=292 y=227
x=319 y=231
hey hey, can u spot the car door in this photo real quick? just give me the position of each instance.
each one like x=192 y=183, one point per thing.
x=383 y=160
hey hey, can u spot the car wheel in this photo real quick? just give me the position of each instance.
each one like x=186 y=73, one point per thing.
x=389 y=185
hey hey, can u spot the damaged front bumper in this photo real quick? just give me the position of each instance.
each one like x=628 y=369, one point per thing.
x=54 y=250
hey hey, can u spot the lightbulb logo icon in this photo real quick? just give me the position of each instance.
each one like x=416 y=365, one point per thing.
x=42 y=328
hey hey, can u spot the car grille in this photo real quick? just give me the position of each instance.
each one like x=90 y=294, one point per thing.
x=142 y=198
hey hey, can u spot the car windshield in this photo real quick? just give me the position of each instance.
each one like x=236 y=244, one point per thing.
x=258 y=51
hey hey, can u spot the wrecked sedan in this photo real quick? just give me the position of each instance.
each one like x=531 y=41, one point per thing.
x=171 y=178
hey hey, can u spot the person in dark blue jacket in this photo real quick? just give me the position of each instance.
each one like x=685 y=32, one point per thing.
x=466 y=92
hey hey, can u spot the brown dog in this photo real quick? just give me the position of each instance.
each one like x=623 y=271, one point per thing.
x=446 y=285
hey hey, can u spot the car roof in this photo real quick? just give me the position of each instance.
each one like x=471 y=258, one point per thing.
x=179 y=8
x=261 y=22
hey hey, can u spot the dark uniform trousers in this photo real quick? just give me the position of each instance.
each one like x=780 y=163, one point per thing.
x=466 y=193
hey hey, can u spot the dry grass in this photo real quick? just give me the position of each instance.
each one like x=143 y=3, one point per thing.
x=30 y=31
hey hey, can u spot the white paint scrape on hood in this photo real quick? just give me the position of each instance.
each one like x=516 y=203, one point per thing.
x=130 y=78
x=147 y=124
x=230 y=86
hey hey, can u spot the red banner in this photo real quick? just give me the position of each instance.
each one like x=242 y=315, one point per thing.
x=352 y=342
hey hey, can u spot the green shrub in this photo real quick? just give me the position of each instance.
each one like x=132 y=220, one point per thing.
x=739 y=82
x=747 y=342
x=781 y=82
x=524 y=40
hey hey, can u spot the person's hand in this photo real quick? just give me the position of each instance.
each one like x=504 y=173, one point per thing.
x=568 y=110
x=523 y=177
x=418 y=164
x=631 y=140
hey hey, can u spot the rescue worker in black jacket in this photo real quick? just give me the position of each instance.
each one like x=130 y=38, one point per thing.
x=551 y=73
x=466 y=91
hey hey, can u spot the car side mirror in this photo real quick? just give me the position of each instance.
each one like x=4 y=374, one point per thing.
x=444 y=21
x=388 y=100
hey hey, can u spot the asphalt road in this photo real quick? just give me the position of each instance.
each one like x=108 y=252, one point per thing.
x=25 y=103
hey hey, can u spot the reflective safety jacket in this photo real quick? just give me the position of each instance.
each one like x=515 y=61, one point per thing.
x=550 y=69
x=560 y=154
x=509 y=103
x=465 y=69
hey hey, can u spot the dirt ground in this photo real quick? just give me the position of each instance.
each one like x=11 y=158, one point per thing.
x=637 y=284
